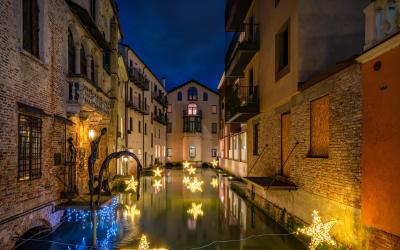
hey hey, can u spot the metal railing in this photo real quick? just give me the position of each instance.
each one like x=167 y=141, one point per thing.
x=192 y=112
x=241 y=97
x=160 y=118
x=138 y=78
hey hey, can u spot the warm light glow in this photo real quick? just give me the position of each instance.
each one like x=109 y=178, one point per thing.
x=125 y=159
x=191 y=170
x=195 y=185
x=214 y=163
x=145 y=245
x=131 y=184
x=186 y=180
x=318 y=231
x=157 y=185
x=157 y=172
x=195 y=210
x=131 y=211
x=91 y=134
x=186 y=164
x=214 y=182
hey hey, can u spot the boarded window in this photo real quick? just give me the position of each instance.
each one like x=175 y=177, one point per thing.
x=319 y=127
x=285 y=143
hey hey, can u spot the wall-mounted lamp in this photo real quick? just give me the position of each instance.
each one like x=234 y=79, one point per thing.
x=91 y=134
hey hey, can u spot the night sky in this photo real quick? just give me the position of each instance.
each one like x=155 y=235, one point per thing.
x=178 y=39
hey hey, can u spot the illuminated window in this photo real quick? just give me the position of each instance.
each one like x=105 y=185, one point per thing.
x=214 y=109
x=169 y=109
x=169 y=152
x=192 y=109
x=319 y=126
x=213 y=152
x=192 y=151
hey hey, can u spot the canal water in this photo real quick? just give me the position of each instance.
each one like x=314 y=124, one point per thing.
x=173 y=217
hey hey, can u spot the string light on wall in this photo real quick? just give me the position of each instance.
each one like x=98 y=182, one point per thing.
x=318 y=231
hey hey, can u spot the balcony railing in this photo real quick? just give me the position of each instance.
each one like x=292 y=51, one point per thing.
x=235 y=13
x=381 y=21
x=242 y=103
x=160 y=98
x=191 y=124
x=241 y=50
x=83 y=95
x=137 y=105
x=138 y=78
x=192 y=112
x=160 y=118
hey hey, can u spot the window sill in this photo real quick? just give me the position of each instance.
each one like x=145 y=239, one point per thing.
x=34 y=58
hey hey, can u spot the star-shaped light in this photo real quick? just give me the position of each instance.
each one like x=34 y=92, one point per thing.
x=131 y=211
x=186 y=180
x=195 y=185
x=318 y=231
x=145 y=245
x=214 y=163
x=157 y=172
x=195 y=210
x=186 y=164
x=131 y=184
x=214 y=182
x=191 y=170
x=157 y=185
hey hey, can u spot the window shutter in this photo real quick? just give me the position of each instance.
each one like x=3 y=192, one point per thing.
x=319 y=127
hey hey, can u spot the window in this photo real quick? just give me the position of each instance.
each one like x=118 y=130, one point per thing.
x=83 y=61
x=145 y=128
x=214 y=128
x=213 y=152
x=192 y=109
x=276 y=3
x=192 y=94
x=151 y=140
x=93 y=9
x=130 y=124
x=319 y=117
x=71 y=53
x=130 y=94
x=255 y=139
x=29 y=147
x=192 y=151
x=192 y=124
x=282 y=51
x=169 y=127
x=169 y=152
x=169 y=108
x=30 y=33
x=107 y=61
x=179 y=96
x=92 y=73
x=214 y=109
x=140 y=127
x=205 y=96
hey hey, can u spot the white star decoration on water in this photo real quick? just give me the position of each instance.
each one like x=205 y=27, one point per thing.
x=214 y=182
x=195 y=210
x=157 y=172
x=157 y=185
x=191 y=170
x=186 y=164
x=214 y=163
x=195 y=185
x=131 y=184
x=145 y=245
x=318 y=231
x=186 y=180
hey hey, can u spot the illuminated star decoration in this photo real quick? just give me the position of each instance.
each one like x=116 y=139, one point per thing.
x=157 y=185
x=214 y=182
x=195 y=185
x=131 y=184
x=145 y=245
x=214 y=163
x=318 y=231
x=195 y=210
x=186 y=164
x=157 y=172
x=186 y=180
x=191 y=170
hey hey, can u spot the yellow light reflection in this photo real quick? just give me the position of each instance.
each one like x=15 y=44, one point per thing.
x=214 y=182
x=157 y=185
x=191 y=170
x=196 y=210
x=186 y=164
x=214 y=163
x=144 y=244
x=186 y=180
x=195 y=185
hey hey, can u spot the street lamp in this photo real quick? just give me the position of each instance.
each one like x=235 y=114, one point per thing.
x=91 y=134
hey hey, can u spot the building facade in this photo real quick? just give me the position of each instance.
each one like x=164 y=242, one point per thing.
x=59 y=87
x=145 y=115
x=192 y=123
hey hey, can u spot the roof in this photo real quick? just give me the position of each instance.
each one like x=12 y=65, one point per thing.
x=88 y=23
x=193 y=81
x=147 y=67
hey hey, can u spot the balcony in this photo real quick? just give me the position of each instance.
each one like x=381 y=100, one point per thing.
x=160 y=98
x=160 y=118
x=136 y=105
x=192 y=112
x=244 y=45
x=138 y=78
x=83 y=95
x=243 y=103
x=381 y=22
x=192 y=118
x=235 y=13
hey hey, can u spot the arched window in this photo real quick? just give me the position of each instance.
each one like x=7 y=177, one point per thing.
x=71 y=53
x=30 y=23
x=83 y=61
x=205 y=96
x=179 y=96
x=192 y=94
x=92 y=73
x=192 y=109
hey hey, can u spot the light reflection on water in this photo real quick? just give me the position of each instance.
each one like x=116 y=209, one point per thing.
x=173 y=216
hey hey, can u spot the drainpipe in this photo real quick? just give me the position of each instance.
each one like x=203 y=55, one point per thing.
x=144 y=159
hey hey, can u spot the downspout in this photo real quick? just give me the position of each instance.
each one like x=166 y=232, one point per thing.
x=143 y=153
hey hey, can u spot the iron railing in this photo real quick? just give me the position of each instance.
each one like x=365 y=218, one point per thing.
x=138 y=78
x=241 y=99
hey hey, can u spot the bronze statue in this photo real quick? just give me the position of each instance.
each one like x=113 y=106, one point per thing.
x=71 y=165
x=94 y=145
x=104 y=166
